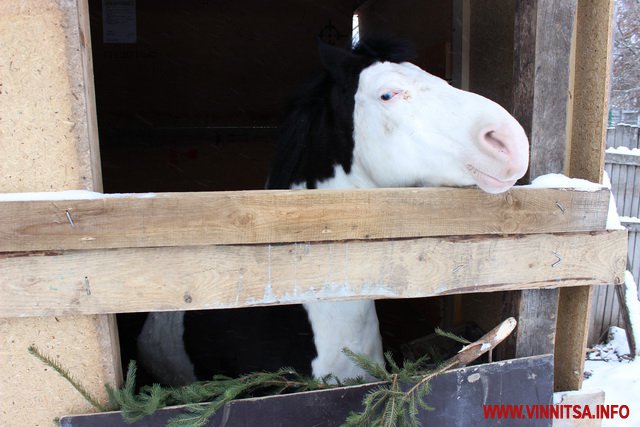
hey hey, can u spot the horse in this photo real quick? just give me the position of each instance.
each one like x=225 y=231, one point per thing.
x=368 y=118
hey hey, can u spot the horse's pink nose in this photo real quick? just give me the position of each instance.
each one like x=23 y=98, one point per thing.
x=508 y=144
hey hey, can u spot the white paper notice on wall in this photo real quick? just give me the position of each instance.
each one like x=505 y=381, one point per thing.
x=119 y=21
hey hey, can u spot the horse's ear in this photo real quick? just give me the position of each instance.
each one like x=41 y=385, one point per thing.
x=340 y=63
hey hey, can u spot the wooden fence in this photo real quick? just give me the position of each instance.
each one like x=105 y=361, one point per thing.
x=622 y=163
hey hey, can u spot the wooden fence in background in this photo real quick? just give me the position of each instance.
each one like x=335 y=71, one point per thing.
x=622 y=164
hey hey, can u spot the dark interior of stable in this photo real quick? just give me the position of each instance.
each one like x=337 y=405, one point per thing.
x=189 y=96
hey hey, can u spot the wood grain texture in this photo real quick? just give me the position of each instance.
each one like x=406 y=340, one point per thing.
x=249 y=217
x=186 y=278
x=630 y=327
x=543 y=35
x=571 y=336
x=591 y=74
x=537 y=316
x=544 y=31
x=591 y=88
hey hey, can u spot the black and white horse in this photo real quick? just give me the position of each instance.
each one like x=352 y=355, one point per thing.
x=368 y=119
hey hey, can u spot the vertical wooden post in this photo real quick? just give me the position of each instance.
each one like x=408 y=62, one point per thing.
x=586 y=161
x=543 y=37
x=48 y=142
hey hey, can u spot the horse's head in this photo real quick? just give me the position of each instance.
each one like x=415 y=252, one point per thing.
x=411 y=127
x=372 y=119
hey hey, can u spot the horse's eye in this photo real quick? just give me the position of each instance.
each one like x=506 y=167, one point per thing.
x=387 y=96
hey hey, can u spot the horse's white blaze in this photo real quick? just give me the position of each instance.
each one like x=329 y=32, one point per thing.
x=431 y=134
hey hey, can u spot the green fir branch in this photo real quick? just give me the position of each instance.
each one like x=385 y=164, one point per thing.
x=64 y=373
x=217 y=392
x=386 y=405
x=451 y=336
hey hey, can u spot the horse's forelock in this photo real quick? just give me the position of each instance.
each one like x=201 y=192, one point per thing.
x=318 y=130
x=385 y=48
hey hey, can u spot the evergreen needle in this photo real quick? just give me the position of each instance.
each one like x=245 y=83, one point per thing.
x=384 y=406
x=64 y=373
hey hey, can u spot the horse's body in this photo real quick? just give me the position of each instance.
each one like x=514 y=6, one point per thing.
x=371 y=119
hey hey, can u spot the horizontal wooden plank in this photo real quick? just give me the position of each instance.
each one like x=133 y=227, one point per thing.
x=248 y=217
x=53 y=283
x=622 y=159
x=631 y=226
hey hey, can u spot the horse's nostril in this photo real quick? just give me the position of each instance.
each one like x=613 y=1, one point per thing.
x=495 y=142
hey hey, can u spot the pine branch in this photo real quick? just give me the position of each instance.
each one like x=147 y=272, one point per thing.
x=385 y=406
x=217 y=392
x=64 y=373
x=395 y=401
x=451 y=336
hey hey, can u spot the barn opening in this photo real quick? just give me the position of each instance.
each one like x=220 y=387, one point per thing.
x=189 y=96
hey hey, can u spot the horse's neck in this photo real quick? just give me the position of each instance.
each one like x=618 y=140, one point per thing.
x=352 y=324
x=340 y=324
x=341 y=180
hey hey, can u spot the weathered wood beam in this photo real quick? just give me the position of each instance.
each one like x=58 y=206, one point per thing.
x=588 y=136
x=622 y=159
x=543 y=38
x=542 y=75
x=250 y=217
x=54 y=283
x=591 y=89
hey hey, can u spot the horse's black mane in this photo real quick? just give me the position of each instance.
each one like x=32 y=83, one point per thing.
x=317 y=132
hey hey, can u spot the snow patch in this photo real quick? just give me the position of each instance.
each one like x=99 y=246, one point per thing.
x=616 y=348
x=629 y=220
x=626 y=151
x=617 y=376
x=613 y=219
x=556 y=180
x=68 y=195
x=621 y=384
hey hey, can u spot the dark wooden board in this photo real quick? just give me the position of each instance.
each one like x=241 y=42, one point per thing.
x=457 y=397
x=542 y=81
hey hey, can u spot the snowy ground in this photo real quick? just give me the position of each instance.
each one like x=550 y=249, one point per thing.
x=611 y=369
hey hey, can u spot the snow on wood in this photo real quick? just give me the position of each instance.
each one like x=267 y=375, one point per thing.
x=68 y=195
x=284 y=216
x=626 y=151
x=629 y=220
x=556 y=180
x=613 y=218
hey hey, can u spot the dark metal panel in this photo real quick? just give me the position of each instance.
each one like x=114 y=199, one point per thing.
x=458 y=397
